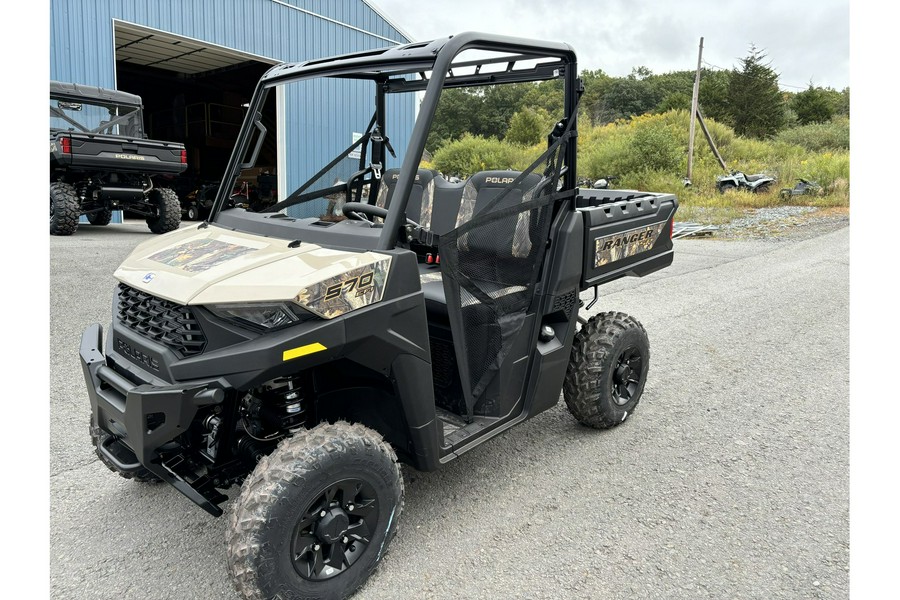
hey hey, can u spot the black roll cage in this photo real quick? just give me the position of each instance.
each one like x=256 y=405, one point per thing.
x=383 y=66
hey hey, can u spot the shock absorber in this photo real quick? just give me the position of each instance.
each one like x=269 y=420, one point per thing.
x=283 y=406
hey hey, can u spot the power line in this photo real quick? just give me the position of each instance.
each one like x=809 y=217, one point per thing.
x=799 y=87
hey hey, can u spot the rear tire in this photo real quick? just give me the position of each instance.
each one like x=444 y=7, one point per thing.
x=98 y=436
x=607 y=370
x=65 y=209
x=322 y=486
x=100 y=218
x=168 y=207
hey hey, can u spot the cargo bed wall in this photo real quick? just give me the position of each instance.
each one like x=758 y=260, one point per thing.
x=626 y=233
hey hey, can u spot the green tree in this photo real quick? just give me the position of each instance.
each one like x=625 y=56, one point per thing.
x=455 y=115
x=714 y=95
x=596 y=84
x=548 y=95
x=499 y=104
x=813 y=105
x=628 y=97
x=675 y=101
x=754 y=100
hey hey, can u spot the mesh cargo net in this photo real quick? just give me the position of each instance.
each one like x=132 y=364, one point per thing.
x=492 y=261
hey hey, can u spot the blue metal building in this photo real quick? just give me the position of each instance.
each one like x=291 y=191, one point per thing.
x=195 y=63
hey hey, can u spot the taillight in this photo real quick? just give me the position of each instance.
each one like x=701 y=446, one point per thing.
x=66 y=145
x=184 y=157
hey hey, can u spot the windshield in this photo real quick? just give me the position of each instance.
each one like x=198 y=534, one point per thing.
x=316 y=138
x=307 y=154
x=94 y=117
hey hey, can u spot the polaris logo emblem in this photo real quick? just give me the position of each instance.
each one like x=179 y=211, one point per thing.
x=136 y=355
x=499 y=179
x=130 y=156
x=149 y=277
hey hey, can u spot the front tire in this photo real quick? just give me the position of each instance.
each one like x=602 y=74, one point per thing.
x=168 y=215
x=727 y=187
x=607 y=370
x=65 y=209
x=315 y=517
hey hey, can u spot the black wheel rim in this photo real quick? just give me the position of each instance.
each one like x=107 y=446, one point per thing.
x=335 y=530
x=626 y=377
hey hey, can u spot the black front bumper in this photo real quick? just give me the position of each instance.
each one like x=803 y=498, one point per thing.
x=142 y=418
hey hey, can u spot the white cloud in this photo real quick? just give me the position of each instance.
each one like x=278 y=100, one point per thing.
x=806 y=40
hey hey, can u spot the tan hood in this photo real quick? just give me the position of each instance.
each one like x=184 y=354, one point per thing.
x=214 y=265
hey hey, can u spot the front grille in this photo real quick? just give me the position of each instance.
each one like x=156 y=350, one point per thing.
x=160 y=320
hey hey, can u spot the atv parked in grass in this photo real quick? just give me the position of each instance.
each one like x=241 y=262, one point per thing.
x=802 y=188
x=737 y=180
x=100 y=161
x=303 y=359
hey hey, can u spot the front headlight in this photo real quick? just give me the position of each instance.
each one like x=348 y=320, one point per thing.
x=265 y=315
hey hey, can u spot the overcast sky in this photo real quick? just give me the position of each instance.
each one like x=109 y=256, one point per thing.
x=806 y=40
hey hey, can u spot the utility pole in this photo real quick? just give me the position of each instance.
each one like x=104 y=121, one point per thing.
x=694 y=102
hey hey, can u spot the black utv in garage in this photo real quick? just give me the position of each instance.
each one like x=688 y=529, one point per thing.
x=304 y=357
x=101 y=161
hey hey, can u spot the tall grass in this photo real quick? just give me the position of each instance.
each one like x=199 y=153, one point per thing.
x=649 y=152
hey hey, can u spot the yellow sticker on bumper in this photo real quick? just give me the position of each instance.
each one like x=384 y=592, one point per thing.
x=302 y=351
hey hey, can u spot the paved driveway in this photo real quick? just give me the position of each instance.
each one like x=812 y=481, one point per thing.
x=730 y=481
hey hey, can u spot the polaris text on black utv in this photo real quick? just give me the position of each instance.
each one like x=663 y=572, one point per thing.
x=305 y=354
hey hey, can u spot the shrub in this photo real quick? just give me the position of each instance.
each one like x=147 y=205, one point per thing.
x=818 y=137
x=528 y=127
x=473 y=153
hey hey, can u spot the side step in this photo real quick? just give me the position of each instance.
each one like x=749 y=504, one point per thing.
x=456 y=430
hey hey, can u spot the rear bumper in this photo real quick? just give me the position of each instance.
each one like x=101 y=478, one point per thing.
x=142 y=418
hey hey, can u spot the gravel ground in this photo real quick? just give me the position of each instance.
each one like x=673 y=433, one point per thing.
x=730 y=481
x=780 y=222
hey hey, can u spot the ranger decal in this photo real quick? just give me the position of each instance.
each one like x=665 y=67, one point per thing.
x=617 y=246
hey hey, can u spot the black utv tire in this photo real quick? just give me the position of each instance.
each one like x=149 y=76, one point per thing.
x=168 y=207
x=727 y=187
x=331 y=495
x=100 y=218
x=607 y=370
x=98 y=436
x=65 y=209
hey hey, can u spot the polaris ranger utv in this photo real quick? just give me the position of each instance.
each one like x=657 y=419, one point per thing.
x=305 y=357
x=100 y=161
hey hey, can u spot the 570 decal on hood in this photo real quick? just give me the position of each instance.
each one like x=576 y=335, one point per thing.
x=348 y=291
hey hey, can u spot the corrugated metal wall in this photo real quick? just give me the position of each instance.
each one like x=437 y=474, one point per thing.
x=82 y=48
x=81 y=31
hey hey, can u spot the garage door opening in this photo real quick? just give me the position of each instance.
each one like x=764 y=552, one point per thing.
x=195 y=93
